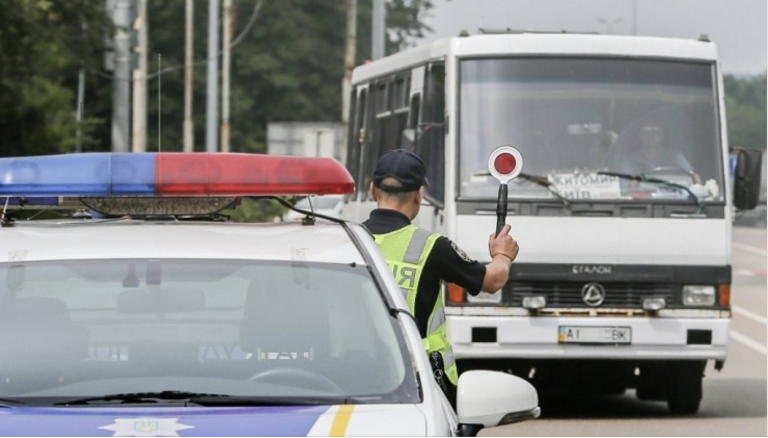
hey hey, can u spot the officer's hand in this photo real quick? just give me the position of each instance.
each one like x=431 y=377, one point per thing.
x=503 y=244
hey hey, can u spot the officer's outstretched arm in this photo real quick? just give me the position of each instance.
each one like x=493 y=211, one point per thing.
x=503 y=249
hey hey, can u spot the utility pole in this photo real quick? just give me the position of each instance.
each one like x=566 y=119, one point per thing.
x=139 y=132
x=378 y=29
x=609 y=23
x=226 y=38
x=349 y=62
x=189 y=127
x=121 y=89
x=80 y=103
x=634 y=17
x=80 y=100
x=212 y=97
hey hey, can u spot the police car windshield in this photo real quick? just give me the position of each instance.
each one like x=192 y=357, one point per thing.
x=236 y=328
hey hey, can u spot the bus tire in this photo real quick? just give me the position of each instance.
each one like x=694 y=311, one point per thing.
x=685 y=387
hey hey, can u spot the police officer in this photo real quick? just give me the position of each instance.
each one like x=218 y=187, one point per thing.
x=421 y=259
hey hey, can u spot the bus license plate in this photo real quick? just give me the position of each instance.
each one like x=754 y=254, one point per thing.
x=594 y=335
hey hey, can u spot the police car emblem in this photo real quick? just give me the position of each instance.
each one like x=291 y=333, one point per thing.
x=146 y=426
x=461 y=253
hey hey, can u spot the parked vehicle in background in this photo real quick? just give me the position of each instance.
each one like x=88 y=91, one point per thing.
x=623 y=211
x=327 y=205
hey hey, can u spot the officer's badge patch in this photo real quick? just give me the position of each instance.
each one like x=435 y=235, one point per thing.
x=461 y=253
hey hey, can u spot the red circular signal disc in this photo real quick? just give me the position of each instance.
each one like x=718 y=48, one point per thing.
x=505 y=163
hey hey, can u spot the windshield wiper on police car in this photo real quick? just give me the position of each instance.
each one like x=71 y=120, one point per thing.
x=143 y=397
x=657 y=181
x=9 y=403
x=202 y=399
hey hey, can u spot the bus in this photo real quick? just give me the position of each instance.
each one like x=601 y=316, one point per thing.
x=623 y=210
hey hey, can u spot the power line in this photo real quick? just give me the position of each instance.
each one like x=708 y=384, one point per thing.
x=257 y=7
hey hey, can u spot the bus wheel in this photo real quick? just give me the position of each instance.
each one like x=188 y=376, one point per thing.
x=685 y=386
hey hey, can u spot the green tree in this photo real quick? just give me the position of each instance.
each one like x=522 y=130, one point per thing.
x=42 y=46
x=745 y=101
x=286 y=67
x=405 y=23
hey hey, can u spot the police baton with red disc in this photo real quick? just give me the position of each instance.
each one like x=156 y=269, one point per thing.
x=504 y=164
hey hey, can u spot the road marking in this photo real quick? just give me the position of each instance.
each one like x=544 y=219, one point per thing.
x=749 y=272
x=751 y=315
x=749 y=342
x=749 y=248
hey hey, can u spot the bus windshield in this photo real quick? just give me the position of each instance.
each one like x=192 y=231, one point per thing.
x=574 y=117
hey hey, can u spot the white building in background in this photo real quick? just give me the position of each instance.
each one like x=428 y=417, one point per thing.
x=312 y=139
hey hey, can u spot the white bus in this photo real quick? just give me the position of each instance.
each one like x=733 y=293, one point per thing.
x=623 y=212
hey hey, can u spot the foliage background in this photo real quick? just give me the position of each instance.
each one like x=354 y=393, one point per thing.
x=288 y=67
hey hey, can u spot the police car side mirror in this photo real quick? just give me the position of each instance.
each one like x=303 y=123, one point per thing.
x=492 y=398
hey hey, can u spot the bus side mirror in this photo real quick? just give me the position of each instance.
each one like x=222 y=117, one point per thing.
x=746 y=179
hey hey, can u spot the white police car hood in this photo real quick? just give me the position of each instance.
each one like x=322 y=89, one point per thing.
x=382 y=420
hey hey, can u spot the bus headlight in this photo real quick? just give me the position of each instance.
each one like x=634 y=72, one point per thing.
x=698 y=295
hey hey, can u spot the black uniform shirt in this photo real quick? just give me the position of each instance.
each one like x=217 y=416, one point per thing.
x=446 y=262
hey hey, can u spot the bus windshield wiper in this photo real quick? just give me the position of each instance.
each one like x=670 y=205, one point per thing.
x=657 y=181
x=544 y=182
x=538 y=180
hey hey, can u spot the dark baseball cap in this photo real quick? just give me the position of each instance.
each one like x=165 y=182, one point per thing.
x=403 y=165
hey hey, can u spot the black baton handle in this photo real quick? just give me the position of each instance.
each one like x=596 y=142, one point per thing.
x=501 y=208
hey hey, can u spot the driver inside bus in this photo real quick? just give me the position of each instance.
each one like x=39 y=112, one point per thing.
x=654 y=153
x=656 y=150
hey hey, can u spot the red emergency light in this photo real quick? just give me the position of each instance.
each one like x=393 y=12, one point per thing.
x=505 y=163
x=189 y=174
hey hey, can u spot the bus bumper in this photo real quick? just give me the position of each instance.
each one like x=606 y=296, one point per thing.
x=531 y=337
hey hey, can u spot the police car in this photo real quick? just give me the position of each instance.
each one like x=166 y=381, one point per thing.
x=137 y=309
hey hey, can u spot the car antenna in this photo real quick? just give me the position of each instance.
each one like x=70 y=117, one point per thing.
x=309 y=220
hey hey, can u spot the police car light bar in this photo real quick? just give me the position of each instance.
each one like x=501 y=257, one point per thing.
x=172 y=174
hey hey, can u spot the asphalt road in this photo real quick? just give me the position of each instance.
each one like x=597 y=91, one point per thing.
x=734 y=402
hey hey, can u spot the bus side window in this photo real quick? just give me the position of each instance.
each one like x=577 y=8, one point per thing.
x=377 y=135
x=400 y=108
x=413 y=117
x=390 y=119
x=356 y=139
x=381 y=129
x=411 y=135
x=431 y=145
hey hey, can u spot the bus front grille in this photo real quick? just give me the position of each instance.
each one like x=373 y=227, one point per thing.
x=562 y=294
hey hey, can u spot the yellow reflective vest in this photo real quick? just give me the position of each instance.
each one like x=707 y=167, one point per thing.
x=406 y=251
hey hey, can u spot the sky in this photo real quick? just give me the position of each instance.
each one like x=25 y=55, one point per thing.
x=738 y=27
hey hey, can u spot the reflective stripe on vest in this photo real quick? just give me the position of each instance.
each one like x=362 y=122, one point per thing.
x=406 y=251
